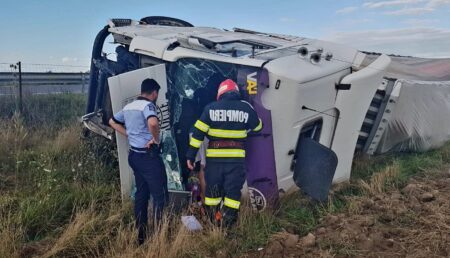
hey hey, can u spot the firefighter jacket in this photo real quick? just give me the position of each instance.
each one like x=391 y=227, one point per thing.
x=226 y=123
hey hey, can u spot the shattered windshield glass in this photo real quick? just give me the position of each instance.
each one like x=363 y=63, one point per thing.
x=192 y=78
x=170 y=159
x=171 y=162
x=192 y=84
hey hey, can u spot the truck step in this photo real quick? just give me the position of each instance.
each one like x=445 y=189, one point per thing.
x=363 y=135
x=369 y=120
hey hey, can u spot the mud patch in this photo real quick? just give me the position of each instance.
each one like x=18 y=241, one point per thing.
x=410 y=222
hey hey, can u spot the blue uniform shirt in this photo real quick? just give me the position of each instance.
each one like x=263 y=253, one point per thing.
x=134 y=117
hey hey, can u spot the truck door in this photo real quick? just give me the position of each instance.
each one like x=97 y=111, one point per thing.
x=352 y=105
x=124 y=88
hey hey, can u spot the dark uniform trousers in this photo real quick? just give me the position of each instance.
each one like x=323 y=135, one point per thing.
x=151 y=180
x=226 y=123
x=224 y=181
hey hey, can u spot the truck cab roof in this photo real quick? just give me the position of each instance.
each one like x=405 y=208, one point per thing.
x=277 y=52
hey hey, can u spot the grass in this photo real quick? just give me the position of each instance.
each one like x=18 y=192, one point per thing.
x=47 y=173
x=388 y=178
x=59 y=194
x=49 y=111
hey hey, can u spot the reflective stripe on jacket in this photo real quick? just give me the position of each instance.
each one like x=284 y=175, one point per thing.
x=229 y=119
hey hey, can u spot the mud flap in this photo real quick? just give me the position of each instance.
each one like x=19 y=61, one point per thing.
x=314 y=169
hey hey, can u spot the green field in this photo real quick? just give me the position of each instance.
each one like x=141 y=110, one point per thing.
x=60 y=194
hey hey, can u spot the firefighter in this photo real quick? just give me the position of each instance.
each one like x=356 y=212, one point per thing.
x=138 y=121
x=225 y=123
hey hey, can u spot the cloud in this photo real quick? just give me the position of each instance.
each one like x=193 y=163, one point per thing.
x=383 y=4
x=346 y=10
x=420 y=22
x=424 y=42
x=392 y=35
x=411 y=11
x=437 y=3
x=407 y=7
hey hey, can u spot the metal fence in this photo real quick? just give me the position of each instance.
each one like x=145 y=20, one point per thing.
x=43 y=83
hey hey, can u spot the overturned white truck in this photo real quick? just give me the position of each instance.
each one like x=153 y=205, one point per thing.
x=320 y=102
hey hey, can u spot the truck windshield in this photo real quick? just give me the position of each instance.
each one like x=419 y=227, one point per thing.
x=192 y=84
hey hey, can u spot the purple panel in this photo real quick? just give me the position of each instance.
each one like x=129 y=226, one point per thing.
x=260 y=158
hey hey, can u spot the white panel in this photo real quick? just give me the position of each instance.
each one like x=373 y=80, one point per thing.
x=357 y=62
x=181 y=52
x=124 y=88
x=149 y=46
x=288 y=117
x=352 y=106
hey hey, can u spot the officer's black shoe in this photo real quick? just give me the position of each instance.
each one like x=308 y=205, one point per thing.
x=142 y=235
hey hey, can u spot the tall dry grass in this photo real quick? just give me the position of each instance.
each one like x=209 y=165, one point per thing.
x=382 y=181
x=93 y=233
x=64 y=211
x=48 y=175
x=11 y=236
x=60 y=198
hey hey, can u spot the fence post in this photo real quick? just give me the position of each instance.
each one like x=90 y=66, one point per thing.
x=82 y=82
x=20 y=87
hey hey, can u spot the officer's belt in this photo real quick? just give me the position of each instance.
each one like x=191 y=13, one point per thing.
x=152 y=149
x=225 y=144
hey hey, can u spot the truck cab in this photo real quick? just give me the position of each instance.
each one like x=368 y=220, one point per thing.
x=304 y=90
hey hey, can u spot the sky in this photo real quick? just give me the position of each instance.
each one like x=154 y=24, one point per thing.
x=62 y=32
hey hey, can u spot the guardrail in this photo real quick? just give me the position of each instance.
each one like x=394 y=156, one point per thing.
x=44 y=83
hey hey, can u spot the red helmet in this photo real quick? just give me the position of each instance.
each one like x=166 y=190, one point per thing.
x=227 y=86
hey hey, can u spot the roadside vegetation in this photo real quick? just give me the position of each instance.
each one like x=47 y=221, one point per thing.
x=60 y=197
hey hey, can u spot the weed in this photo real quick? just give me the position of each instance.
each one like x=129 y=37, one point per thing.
x=11 y=236
x=49 y=111
x=61 y=195
x=256 y=228
x=382 y=181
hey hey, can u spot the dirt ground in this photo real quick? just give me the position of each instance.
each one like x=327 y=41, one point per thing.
x=410 y=222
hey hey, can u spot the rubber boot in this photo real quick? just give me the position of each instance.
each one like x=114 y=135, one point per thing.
x=213 y=214
x=229 y=217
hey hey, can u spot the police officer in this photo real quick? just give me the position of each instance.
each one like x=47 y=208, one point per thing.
x=138 y=121
x=225 y=123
